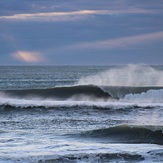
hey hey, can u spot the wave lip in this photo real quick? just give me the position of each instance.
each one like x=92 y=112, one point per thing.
x=127 y=134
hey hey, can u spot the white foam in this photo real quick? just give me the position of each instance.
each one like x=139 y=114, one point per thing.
x=50 y=151
x=129 y=101
x=151 y=96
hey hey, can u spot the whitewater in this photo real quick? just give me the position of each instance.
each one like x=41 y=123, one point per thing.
x=81 y=114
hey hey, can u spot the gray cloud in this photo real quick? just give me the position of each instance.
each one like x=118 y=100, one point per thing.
x=74 y=32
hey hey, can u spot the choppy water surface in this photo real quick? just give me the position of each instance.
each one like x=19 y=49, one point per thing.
x=81 y=114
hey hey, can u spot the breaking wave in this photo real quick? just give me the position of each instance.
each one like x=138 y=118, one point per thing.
x=85 y=96
x=152 y=96
x=61 y=93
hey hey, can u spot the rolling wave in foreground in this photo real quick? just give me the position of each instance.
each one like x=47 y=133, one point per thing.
x=90 y=114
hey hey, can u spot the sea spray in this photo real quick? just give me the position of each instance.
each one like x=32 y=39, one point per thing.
x=130 y=75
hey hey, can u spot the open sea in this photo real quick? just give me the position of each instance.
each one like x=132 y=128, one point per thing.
x=80 y=114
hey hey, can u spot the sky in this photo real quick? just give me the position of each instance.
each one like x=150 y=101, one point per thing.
x=81 y=32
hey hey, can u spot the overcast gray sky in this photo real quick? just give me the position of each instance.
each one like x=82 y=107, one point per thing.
x=77 y=32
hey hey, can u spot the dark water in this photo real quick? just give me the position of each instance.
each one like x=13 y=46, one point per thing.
x=81 y=114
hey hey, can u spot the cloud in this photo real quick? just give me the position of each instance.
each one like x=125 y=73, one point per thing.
x=122 y=42
x=52 y=14
x=27 y=56
x=59 y=16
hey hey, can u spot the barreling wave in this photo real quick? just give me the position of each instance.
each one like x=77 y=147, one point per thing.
x=96 y=98
x=66 y=92
x=121 y=91
x=128 y=134
x=83 y=96
x=61 y=93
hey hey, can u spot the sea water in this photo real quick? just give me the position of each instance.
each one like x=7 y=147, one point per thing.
x=81 y=114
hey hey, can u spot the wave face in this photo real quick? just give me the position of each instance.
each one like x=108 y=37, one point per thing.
x=128 y=134
x=61 y=93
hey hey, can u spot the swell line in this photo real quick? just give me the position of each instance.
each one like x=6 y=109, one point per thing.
x=128 y=134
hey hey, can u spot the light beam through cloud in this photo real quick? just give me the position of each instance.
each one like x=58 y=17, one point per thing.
x=27 y=56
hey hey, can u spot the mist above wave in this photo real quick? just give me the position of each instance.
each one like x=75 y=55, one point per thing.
x=130 y=75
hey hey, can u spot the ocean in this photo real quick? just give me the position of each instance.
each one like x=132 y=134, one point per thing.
x=78 y=114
